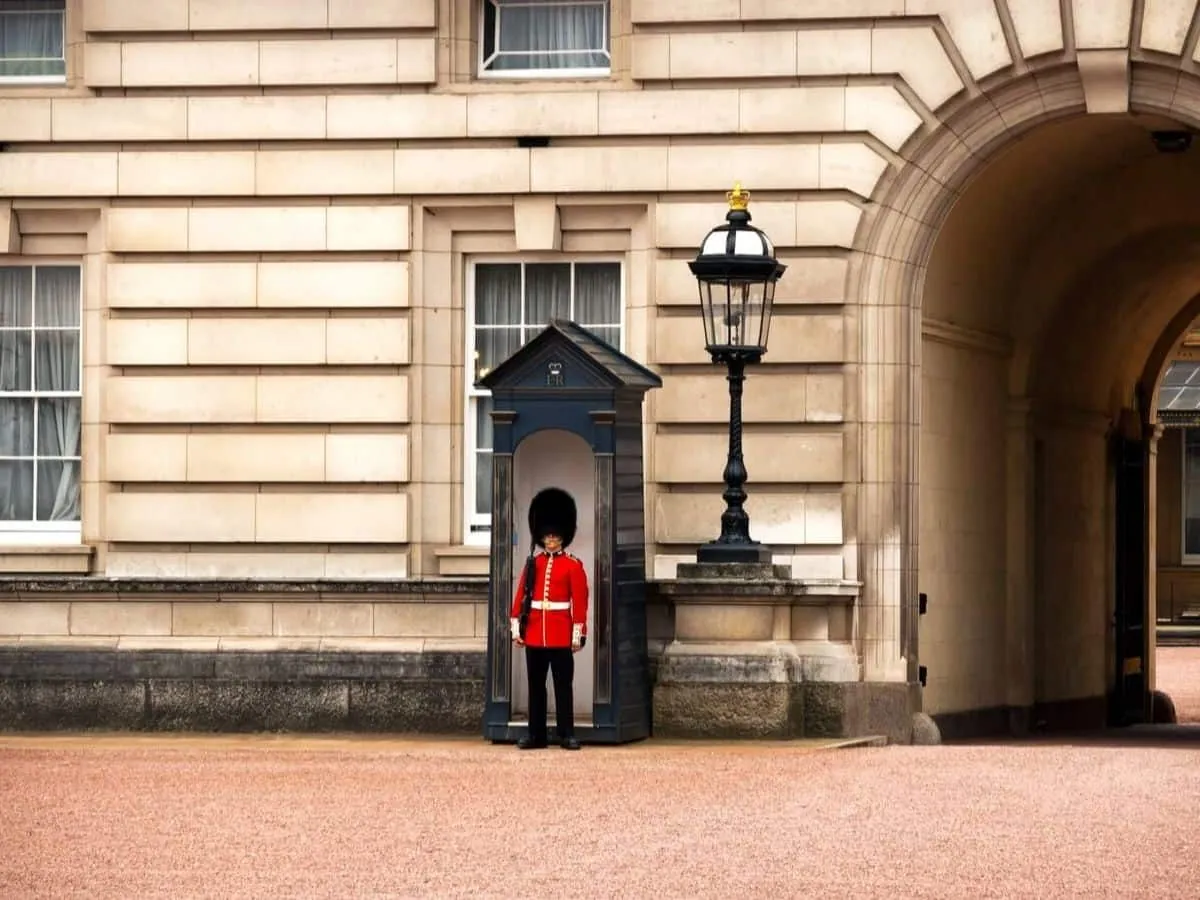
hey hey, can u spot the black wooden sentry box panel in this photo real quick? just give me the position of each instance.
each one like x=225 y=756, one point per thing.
x=568 y=379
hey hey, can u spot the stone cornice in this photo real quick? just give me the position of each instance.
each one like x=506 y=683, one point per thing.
x=966 y=338
x=241 y=586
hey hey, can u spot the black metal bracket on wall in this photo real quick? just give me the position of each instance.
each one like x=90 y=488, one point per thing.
x=922 y=603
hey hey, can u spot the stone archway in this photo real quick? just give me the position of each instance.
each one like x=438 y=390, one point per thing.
x=897 y=240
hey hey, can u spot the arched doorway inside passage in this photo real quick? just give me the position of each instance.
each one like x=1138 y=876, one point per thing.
x=1021 y=270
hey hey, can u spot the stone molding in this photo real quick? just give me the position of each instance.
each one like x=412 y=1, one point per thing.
x=228 y=587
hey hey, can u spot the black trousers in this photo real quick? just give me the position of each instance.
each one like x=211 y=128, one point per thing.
x=561 y=662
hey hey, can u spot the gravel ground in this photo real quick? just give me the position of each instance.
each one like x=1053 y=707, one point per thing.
x=193 y=817
x=1179 y=675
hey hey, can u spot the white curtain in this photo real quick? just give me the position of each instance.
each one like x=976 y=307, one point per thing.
x=31 y=38
x=551 y=35
x=39 y=354
x=598 y=300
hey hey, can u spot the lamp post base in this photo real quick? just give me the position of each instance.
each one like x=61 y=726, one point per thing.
x=741 y=552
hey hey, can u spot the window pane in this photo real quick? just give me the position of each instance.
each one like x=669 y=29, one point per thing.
x=57 y=298
x=549 y=28
x=16 y=357
x=58 y=491
x=56 y=360
x=59 y=426
x=598 y=294
x=493 y=346
x=483 y=484
x=16 y=296
x=611 y=335
x=16 y=427
x=16 y=490
x=547 y=292
x=498 y=294
x=483 y=423
x=518 y=62
x=1191 y=450
x=31 y=43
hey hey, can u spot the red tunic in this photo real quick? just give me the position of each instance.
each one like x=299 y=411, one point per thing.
x=560 y=599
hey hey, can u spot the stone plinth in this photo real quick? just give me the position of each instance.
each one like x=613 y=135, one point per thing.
x=757 y=654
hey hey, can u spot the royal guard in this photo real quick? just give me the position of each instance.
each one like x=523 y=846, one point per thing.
x=551 y=623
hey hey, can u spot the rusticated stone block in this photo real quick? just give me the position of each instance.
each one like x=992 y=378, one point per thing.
x=416 y=706
x=241 y=706
x=75 y=705
x=708 y=710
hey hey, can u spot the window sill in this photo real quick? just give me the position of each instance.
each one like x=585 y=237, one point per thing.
x=32 y=80
x=464 y=560
x=542 y=76
x=46 y=560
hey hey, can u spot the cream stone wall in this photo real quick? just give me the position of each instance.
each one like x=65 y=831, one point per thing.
x=963 y=507
x=276 y=205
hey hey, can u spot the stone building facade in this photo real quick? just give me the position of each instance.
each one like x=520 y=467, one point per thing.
x=258 y=253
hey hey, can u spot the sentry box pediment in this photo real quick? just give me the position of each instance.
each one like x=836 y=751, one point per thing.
x=566 y=356
x=567 y=414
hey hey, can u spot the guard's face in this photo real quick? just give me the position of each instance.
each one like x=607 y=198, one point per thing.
x=552 y=543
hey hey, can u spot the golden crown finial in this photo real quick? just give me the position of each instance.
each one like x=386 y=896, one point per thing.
x=738 y=198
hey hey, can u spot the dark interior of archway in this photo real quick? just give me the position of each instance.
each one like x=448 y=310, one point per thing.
x=1058 y=271
x=553 y=510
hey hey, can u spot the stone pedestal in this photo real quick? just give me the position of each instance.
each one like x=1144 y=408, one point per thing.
x=757 y=654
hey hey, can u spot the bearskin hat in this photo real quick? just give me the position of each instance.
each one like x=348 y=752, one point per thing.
x=552 y=512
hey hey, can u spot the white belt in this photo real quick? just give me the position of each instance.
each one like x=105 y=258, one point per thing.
x=546 y=604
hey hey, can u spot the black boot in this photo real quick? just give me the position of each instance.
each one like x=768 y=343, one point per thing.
x=528 y=743
x=570 y=743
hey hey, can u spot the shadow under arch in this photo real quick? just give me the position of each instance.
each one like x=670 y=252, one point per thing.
x=1115 y=326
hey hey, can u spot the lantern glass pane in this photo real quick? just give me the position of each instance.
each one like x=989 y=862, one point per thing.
x=768 y=310
x=706 y=310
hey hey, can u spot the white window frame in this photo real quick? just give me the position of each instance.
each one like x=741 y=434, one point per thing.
x=477 y=529
x=38 y=79
x=1188 y=559
x=555 y=74
x=31 y=533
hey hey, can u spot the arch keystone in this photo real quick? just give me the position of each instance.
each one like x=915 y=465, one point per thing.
x=1105 y=77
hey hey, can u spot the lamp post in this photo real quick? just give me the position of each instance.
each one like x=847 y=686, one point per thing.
x=737 y=272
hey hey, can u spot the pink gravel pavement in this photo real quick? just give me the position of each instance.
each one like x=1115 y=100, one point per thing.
x=1179 y=675
x=194 y=817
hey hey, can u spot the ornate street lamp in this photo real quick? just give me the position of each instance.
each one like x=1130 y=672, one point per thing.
x=737 y=271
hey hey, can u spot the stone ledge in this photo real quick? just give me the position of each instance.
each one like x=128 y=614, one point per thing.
x=94 y=662
x=817 y=591
x=75 y=559
x=463 y=561
x=168 y=586
x=245 y=644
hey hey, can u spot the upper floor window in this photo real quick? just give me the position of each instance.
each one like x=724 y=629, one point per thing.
x=32 y=41
x=510 y=303
x=41 y=407
x=545 y=38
